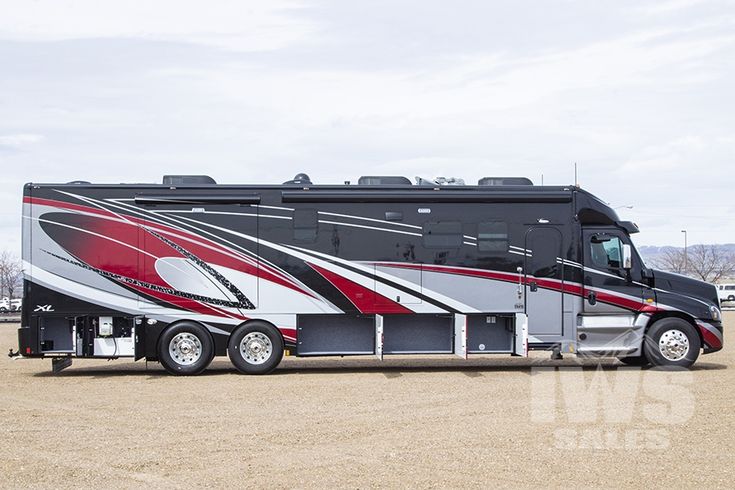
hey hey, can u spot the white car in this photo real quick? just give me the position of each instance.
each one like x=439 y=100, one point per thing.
x=7 y=304
x=726 y=292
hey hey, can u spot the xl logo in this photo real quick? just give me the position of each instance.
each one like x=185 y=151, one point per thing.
x=44 y=308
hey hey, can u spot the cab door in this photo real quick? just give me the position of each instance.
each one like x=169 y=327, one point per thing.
x=609 y=288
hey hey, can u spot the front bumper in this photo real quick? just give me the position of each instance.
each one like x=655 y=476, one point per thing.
x=712 y=335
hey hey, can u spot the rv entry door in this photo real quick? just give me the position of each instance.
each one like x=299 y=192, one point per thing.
x=544 y=279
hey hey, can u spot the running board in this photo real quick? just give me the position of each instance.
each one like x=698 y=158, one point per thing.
x=605 y=352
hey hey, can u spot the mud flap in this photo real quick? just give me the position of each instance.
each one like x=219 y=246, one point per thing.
x=379 y=336
x=520 y=346
x=460 y=336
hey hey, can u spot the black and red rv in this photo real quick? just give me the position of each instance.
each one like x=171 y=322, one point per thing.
x=190 y=269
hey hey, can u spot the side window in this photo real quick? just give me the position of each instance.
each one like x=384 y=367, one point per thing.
x=729 y=288
x=606 y=251
x=492 y=237
x=305 y=225
x=442 y=234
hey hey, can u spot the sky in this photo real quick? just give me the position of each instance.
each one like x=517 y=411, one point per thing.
x=640 y=95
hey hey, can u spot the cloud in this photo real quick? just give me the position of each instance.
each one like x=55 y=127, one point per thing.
x=18 y=140
x=666 y=7
x=256 y=92
x=229 y=24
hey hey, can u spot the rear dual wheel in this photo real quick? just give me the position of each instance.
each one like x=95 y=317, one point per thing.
x=255 y=348
x=185 y=348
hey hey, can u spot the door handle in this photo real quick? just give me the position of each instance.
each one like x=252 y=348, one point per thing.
x=592 y=298
x=533 y=286
x=520 y=281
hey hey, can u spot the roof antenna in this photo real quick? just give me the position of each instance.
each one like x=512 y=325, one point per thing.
x=542 y=179
x=576 y=182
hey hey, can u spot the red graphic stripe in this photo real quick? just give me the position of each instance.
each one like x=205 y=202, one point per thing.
x=366 y=300
x=566 y=287
x=220 y=256
x=288 y=333
x=712 y=340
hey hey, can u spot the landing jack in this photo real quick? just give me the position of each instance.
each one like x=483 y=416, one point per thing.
x=58 y=364
x=556 y=353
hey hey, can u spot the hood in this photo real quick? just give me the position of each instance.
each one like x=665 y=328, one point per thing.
x=688 y=287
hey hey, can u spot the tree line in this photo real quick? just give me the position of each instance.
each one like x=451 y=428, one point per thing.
x=709 y=263
x=11 y=275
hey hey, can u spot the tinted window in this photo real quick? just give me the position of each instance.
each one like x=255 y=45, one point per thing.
x=606 y=254
x=492 y=237
x=305 y=225
x=729 y=288
x=443 y=234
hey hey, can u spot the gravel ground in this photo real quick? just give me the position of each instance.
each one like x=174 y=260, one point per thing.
x=420 y=422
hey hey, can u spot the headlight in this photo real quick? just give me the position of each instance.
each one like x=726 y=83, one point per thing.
x=715 y=312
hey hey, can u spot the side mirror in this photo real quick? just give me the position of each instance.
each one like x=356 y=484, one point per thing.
x=601 y=238
x=627 y=257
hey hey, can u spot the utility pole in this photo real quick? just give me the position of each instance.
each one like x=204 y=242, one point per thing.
x=686 y=257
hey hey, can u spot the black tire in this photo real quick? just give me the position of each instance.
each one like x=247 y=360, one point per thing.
x=634 y=360
x=731 y=298
x=3 y=309
x=679 y=332
x=260 y=353
x=185 y=348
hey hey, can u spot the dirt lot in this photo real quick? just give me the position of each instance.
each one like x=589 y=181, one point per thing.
x=359 y=423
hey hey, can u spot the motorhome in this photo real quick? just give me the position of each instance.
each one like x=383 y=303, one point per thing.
x=186 y=270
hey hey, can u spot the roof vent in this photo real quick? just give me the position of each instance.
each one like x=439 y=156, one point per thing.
x=299 y=179
x=488 y=181
x=187 y=179
x=383 y=180
x=449 y=181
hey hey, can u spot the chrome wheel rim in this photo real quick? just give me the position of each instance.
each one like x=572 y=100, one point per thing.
x=673 y=345
x=256 y=348
x=185 y=348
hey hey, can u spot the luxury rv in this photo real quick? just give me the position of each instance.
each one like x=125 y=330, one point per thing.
x=186 y=270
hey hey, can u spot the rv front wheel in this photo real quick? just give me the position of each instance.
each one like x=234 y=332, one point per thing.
x=255 y=348
x=672 y=342
x=185 y=348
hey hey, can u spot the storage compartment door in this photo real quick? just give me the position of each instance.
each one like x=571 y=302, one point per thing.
x=490 y=333
x=324 y=335
x=379 y=336
x=460 y=336
x=418 y=334
x=520 y=346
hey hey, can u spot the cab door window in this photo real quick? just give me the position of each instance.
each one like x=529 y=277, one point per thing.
x=606 y=252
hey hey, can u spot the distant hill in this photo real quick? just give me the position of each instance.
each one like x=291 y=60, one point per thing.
x=650 y=253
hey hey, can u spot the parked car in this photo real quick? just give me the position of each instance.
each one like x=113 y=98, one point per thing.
x=7 y=304
x=726 y=292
